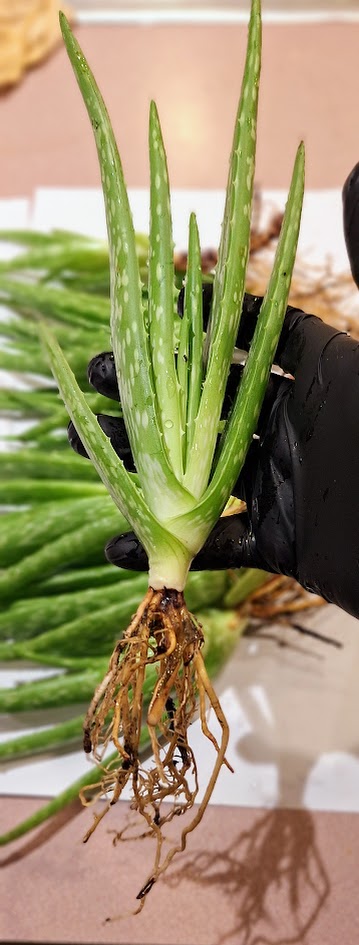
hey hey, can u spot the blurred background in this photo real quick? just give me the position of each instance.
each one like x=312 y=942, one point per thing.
x=189 y=58
x=162 y=5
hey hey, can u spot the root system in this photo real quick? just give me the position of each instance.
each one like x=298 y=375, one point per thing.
x=164 y=633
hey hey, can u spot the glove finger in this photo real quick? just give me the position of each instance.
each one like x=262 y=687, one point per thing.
x=350 y=196
x=101 y=373
x=126 y=551
x=115 y=429
x=251 y=307
x=228 y=546
x=277 y=385
x=302 y=341
x=75 y=441
x=301 y=346
x=207 y=292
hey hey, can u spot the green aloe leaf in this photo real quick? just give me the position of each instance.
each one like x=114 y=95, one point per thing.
x=161 y=299
x=129 y=325
x=243 y=420
x=169 y=559
x=191 y=344
x=229 y=283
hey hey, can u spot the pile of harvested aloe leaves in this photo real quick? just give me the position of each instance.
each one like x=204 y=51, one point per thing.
x=60 y=599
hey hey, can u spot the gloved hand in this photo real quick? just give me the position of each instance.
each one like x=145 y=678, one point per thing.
x=300 y=476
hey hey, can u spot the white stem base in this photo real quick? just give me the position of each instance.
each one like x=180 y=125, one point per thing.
x=170 y=573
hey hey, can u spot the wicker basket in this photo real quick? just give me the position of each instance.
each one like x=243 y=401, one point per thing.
x=29 y=30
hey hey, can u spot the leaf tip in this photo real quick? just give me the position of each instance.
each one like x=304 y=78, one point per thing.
x=154 y=116
x=193 y=224
x=300 y=157
x=69 y=39
x=64 y=23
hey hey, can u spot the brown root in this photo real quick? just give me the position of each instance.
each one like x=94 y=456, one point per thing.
x=164 y=633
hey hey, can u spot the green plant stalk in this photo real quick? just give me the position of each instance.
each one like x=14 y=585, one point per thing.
x=35 y=239
x=38 y=619
x=46 y=427
x=66 y=254
x=247 y=581
x=25 y=360
x=70 y=688
x=42 y=465
x=89 y=254
x=26 y=533
x=88 y=282
x=22 y=333
x=27 y=626
x=80 y=578
x=67 y=549
x=48 y=739
x=46 y=414
x=59 y=694
x=29 y=618
x=45 y=490
x=80 y=310
x=93 y=633
x=75 y=261
x=27 y=403
x=60 y=238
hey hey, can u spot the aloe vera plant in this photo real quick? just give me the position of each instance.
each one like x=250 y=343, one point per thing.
x=172 y=399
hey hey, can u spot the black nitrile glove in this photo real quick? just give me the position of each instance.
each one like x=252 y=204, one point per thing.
x=299 y=479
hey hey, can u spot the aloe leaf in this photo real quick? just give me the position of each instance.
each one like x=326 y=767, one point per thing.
x=129 y=328
x=184 y=355
x=183 y=362
x=118 y=481
x=193 y=316
x=161 y=299
x=244 y=417
x=229 y=283
x=242 y=423
x=160 y=545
